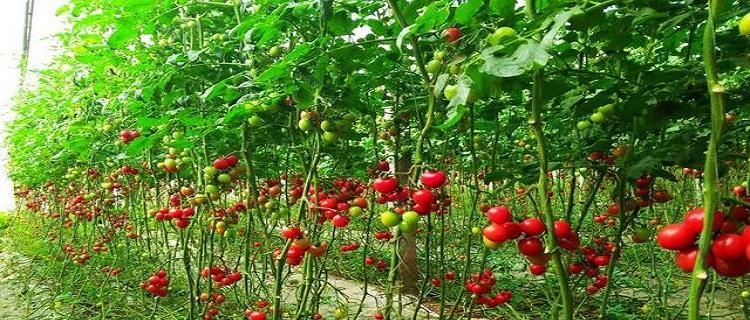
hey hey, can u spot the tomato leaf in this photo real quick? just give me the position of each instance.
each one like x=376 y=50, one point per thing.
x=527 y=56
x=467 y=11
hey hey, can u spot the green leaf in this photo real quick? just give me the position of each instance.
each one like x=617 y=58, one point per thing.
x=504 y=8
x=467 y=11
x=558 y=22
x=151 y=122
x=454 y=116
x=527 y=56
x=62 y=9
x=440 y=83
x=237 y=114
x=434 y=15
x=401 y=35
x=140 y=144
x=122 y=36
x=464 y=88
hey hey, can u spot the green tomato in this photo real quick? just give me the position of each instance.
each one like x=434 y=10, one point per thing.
x=275 y=51
x=583 y=125
x=389 y=219
x=170 y=162
x=326 y=125
x=177 y=134
x=355 y=211
x=270 y=205
x=454 y=69
x=305 y=124
x=406 y=227
x=187 y=160
x=330 y=137
x=598 y=117
x=410 y=217
x=224 y=178
x=450 y=91
x=606 y=109
x=476 y=230
x=434 y=66
x=745 y=25
x=500 y=33
x=255 y=121
x=438 y=55
x=340 y=313
x=210 y=171
x=745 y=294
x=276 y=215
x=210 y=188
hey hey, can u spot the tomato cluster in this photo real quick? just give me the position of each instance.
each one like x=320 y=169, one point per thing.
x=730 y=250
x=481 y=285
x=156 y=284
x=300 y=245
x=221 y=276
x=128 y=135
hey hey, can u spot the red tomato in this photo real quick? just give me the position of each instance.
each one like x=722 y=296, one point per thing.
x=499 y=215
x=530 y=246
x=563 y=229
x=452 y=34
x=385 y=185
x=731 y=268
x=694 y=220
x=728 y=246
x=676 y=236
x=423 y=197
x=537 y=269
x=532 y=226
x=433 y=178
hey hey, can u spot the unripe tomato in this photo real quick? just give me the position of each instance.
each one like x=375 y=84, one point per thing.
x=500 y=33
x=434 y=66
x=390 y=219
x=450 y=91
x=598 y=117
x=745 y=25
x=583 y=125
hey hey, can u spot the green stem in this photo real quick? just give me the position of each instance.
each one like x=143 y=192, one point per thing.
x=710 y=172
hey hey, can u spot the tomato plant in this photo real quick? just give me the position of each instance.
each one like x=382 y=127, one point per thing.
x=244 y=159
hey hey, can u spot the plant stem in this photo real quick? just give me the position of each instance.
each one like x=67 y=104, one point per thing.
x=710 y=172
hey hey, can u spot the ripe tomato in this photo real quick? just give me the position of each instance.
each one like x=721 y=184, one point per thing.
x=385 y=185
x=728 y=246
x=537 y=269
x=530 y=246
x=685 y=258
x=532 y=226
x=499 y=215
x=694 y=220
x=423 y=197
x=731 y=268
x=495 y=233
x=291 y=232
x=563 y=229
x=433 y=178
x=340 y=221
x=452 y=34
x=676 y=236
